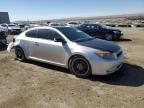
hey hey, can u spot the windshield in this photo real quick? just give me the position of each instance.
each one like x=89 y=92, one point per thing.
x=75 y=34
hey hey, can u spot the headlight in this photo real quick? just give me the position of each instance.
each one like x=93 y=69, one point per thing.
x=105 y=55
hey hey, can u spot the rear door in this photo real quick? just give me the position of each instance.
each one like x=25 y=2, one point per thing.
x=27 y=43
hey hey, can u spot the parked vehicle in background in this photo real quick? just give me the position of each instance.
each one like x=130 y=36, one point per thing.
x=73 y=24
x=12 y=28
x=70 y=48
x=3 y=41
x=29 y=26
x=4 y=29
x=55 y=24
x=101 y=31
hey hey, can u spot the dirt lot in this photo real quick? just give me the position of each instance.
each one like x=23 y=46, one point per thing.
x=38 y=85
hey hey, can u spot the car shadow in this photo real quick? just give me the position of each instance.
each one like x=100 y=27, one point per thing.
x=123 y=40
x=48 y=66
x=131 y=75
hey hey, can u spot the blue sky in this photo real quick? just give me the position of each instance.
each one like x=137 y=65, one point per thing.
x=55 y=9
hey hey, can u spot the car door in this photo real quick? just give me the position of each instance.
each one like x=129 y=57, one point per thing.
x=28 y=41
x=46 y=49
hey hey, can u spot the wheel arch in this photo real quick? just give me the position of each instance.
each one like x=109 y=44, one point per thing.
x=89 y=73
x=76 y=54
x=18 y=46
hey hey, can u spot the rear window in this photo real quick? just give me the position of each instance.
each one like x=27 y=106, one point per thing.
x=47 y=34
x=44 y=34
x=32 y=33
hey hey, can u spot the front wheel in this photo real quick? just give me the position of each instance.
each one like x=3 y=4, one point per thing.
x=20 y=54
x=80 y=67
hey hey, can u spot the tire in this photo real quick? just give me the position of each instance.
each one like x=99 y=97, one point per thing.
x=20 y=54
x=80 y=67
x=109 y=37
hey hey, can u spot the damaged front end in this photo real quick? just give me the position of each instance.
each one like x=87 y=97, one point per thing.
x=11 y=45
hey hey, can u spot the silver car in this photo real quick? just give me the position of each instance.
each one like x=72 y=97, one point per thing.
x=70 y=48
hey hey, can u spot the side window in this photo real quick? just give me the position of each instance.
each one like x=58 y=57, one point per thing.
x=47 y=34
x=92 y=27
x=96 y=27
x=44 y=34
x=31 y=33
x=55 y=35
x=88 y=27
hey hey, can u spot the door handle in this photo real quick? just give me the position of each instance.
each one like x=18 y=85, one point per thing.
x=36 y=43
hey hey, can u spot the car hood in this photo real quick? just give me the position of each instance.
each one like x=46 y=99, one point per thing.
x=100 y=45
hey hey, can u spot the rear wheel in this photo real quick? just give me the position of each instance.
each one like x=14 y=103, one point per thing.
x=79 y=66
x=20 y=54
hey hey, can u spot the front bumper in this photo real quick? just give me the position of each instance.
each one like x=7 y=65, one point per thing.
x=105 y=67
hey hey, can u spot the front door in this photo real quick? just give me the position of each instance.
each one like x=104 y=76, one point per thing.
x=46 y=49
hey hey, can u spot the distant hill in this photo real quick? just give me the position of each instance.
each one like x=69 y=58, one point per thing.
x=126 y=18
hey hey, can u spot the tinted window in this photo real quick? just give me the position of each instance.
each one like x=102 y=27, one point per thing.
x=95 y=26
x=86 y=26
x=55 y=35
x=31 y=33
x=74 y=34
x=47 y=34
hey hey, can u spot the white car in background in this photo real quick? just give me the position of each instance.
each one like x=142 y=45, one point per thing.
x=56 y=24
x=73 y=24
x=12 y=28
x=29 y=26
x=3 y=28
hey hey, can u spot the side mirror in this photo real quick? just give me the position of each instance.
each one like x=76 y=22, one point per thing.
x=59 y=40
